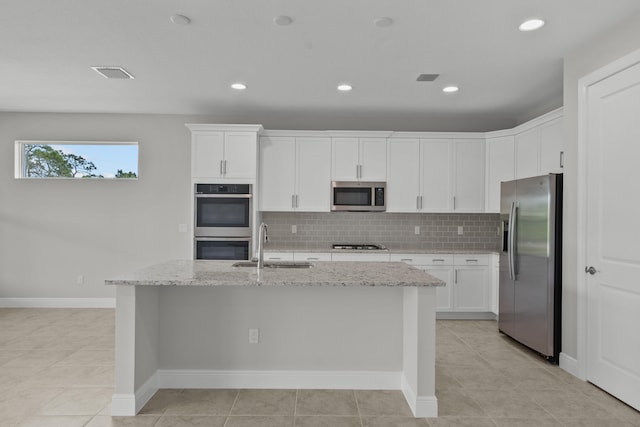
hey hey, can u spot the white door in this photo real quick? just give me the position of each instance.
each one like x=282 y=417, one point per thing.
x=613 y=235
x=436 y=175
x=345 y=159
x=240 y=154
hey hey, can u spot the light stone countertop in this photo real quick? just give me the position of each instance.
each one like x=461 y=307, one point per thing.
x=221 y=273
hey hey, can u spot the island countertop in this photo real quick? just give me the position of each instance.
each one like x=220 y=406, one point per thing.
x=222 y=273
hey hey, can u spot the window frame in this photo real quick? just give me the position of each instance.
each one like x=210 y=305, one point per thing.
x=20 y=159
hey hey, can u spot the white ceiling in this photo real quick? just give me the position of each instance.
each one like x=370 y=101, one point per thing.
x=506 y=77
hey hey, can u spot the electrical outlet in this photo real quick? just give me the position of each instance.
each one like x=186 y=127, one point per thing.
x=416 y=230
x=294 y=229
x=254 y=336
x=80 y=279
x=460 y=230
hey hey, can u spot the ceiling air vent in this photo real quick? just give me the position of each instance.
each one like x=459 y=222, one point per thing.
x=113 y=72
x=427 y=77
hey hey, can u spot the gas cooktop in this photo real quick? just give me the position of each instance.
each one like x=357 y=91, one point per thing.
x=358 y=246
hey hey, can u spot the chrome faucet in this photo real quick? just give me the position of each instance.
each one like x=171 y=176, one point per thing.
x=262 y=237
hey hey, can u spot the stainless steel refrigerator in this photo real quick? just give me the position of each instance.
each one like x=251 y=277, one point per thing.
x=531 y=263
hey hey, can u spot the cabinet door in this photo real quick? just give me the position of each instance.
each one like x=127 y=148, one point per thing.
x=469 y=176
x=373 y=159
x=345 y=159
x=471 y=289
x=366 y=257
x=403 y=180
x=500 y=167
x=207 y=154
x=552 y=147
x=277 y=173
x=527 y=153
x=313 y=172
x=240 y=155
x=436 y=156
x=444 y=294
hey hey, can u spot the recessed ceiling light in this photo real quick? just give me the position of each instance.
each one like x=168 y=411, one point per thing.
x=180 y=20
x=345 y=88
x=239 y=86
x=531 y=24
x=282 y=20
x=450 y=89
x=383 y=22
x=113 y=72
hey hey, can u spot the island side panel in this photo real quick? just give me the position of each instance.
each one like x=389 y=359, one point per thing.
x=419 y=333
x=136 y=347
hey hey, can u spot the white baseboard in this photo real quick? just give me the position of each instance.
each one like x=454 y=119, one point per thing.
x=570 y=365
x=57 y=302
x=128 y=405
x=421 y=406
x=466 y=315
x=357 y=380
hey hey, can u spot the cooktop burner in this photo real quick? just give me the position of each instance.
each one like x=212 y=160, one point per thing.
x=358 y=246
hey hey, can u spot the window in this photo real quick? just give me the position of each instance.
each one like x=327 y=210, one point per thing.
x=73 y=159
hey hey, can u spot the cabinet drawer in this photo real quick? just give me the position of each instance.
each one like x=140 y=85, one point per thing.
x=278 y=256
x=312 y=256
x=368 y=257
x=471 y=259
x=424 y=259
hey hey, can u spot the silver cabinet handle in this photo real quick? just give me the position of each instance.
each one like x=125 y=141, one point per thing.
x=455 y=276
x=437 y=260
x=562 y=159
x=406 y=259
x=471 y=260
x=454 y=203
x=418 y=202
x=225 y=167
x=221 y=172
x=293 y=201
x=297 y=204
x=313 y=259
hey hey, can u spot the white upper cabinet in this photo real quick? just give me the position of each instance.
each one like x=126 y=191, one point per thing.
x=277 y=173
x=224 y=152
x=527 y=149
x=552 y=147
x=403 y=180
x=295 y=174
x=500 y=167
x=468 y=181
x=436 y=175
x=359 y=159
x=313 y=174
x=540 y=150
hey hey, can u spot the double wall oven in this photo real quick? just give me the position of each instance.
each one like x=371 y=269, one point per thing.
x=223 y=223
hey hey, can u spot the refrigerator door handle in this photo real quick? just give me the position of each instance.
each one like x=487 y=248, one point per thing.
x=512 y=240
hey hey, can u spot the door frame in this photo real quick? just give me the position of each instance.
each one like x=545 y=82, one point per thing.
x=627 y=61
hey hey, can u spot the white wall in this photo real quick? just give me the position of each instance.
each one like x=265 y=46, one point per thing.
x=622 y=40
x=51 y=231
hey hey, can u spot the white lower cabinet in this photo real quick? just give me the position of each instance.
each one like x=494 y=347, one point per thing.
x=278 y=256
x=468 y=286
x=312 y=256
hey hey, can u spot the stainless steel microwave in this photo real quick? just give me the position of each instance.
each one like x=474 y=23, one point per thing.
x=358 y=196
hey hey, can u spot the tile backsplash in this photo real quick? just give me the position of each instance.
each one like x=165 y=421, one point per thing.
x=318 y=231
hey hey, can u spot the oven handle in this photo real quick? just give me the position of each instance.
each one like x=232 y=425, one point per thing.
x=223 y=239
x=223 y=196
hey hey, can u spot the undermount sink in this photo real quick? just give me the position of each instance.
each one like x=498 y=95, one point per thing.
x=270 y=264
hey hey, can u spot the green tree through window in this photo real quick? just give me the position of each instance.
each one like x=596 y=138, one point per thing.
x=60 y=161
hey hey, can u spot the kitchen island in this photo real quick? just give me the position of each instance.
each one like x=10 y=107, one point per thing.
x=335 y=325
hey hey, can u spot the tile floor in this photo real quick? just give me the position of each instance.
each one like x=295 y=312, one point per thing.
x=56 y=369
